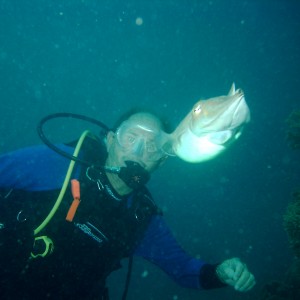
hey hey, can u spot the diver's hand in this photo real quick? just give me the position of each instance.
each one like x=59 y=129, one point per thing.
x=235 y=273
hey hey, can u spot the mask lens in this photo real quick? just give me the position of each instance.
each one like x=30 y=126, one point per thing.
x=126 y=138
x=140 y=141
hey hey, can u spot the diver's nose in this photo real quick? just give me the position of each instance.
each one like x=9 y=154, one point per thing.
x=138 y=149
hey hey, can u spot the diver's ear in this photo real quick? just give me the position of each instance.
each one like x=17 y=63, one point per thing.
x=110 y=137
x=160 y=162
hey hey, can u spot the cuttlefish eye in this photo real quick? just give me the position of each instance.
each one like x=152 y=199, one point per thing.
x=197 y=109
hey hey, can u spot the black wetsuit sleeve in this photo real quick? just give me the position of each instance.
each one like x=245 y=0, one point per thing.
x=208 y=277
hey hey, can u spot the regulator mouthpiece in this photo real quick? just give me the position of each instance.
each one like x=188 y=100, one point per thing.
x=134 y=175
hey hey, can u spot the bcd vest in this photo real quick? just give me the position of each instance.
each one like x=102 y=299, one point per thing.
x=105 y=229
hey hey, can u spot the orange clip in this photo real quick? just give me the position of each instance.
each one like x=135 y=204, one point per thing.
x=75 y=188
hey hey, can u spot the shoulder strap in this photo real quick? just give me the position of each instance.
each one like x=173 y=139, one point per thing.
x=145 y=203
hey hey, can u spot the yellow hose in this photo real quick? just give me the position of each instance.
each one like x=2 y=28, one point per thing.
x=64 y=186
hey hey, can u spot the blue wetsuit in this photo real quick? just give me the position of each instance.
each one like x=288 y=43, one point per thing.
x=38 y=168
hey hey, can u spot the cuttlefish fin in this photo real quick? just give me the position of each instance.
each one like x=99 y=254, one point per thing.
x=232 y=90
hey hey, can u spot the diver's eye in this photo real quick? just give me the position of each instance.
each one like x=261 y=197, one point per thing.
x=128 y=140
x=198 y=109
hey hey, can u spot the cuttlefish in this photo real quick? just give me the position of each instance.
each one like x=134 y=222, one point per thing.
x=209 y=127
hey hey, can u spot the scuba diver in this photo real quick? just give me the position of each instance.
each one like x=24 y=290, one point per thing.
x=103 y=213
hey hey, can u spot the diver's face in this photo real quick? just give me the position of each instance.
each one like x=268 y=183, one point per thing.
x=138 y=139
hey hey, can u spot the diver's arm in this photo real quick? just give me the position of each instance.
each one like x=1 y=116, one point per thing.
x=34 y=168
x=161 y=248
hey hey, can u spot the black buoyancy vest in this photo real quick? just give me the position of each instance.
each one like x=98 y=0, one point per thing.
x=105 y=229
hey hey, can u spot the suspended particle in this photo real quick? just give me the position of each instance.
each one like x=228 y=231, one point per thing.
x=139 y=21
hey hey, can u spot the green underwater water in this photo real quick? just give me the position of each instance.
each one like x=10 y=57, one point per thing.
x=102 y=58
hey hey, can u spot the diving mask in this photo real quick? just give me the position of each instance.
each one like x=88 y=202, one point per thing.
x=141 y=140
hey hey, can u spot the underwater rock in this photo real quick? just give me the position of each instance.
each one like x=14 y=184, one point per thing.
x=291 y=223
x=289 y=287
x=293 y=131
x=275 y=291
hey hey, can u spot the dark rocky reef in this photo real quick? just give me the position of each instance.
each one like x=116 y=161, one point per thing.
x=289 y=287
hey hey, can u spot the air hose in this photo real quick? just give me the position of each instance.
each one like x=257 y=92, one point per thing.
x=65 y=184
